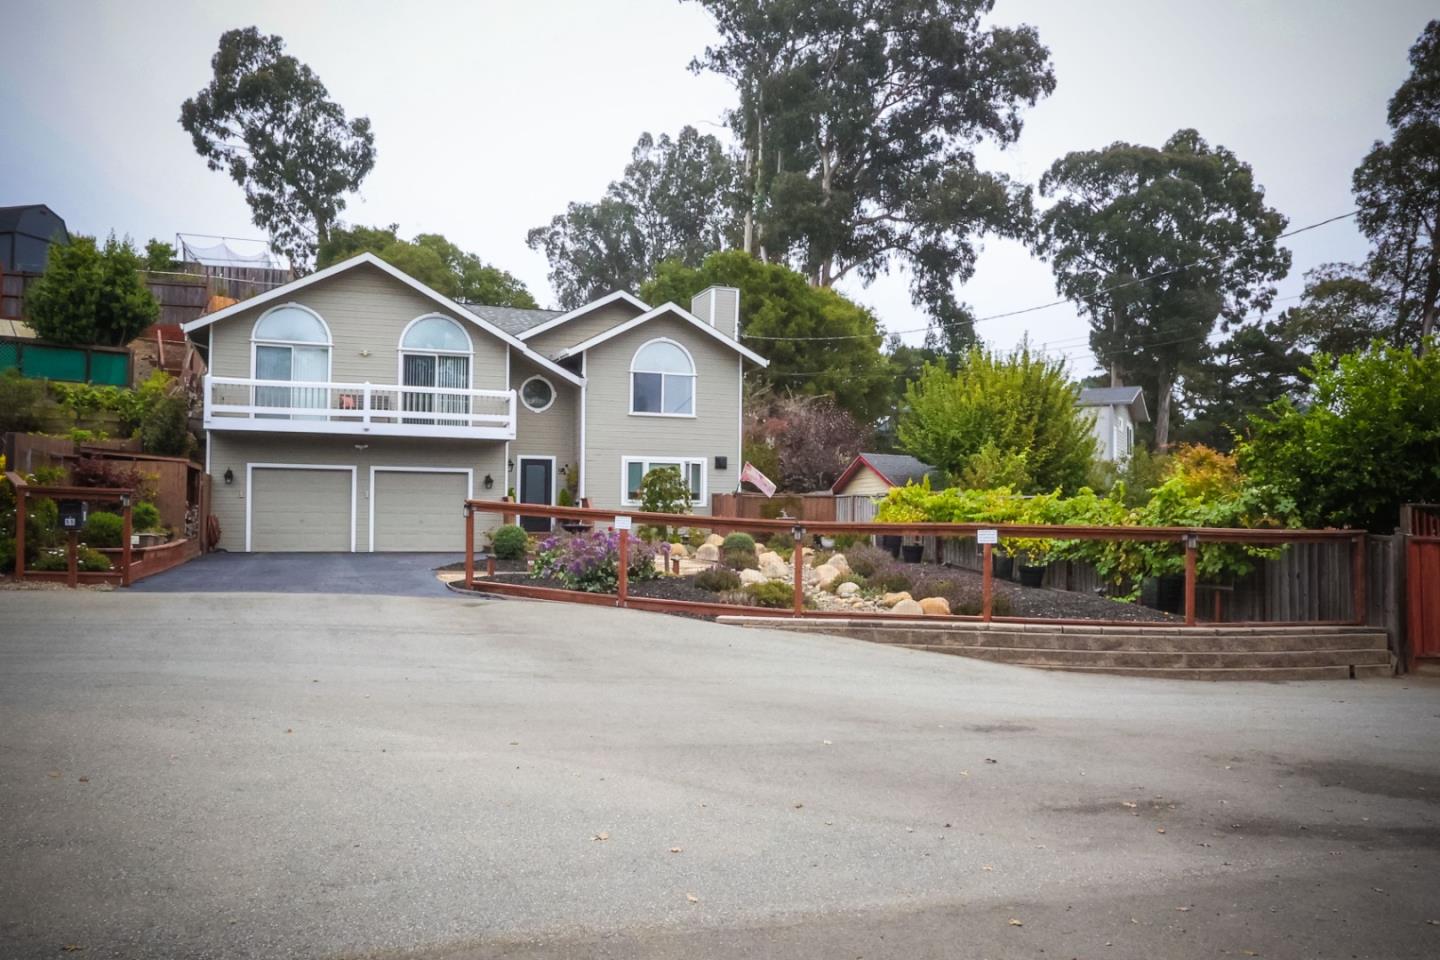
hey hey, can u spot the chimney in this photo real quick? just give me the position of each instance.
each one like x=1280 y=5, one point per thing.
x=719 y=307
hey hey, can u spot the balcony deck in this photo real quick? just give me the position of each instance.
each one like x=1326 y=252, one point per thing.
x=357 y=409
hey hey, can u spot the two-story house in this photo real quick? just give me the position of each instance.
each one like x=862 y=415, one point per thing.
x=356 y=409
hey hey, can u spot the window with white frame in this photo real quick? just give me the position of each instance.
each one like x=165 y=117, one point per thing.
x=291 y=343
x=692 y=469
x=435 y=353
x=537 y=394
x=662 y=380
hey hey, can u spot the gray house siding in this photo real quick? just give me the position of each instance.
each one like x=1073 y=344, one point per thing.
x=613 y=433
x=581 y=329
x=234 y=451
x=552 y=433
x=366 y=311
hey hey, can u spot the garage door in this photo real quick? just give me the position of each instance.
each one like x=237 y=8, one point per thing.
x=300 y=509
x=419 y=511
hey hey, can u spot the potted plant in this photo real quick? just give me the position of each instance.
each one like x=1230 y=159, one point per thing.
x=912 y=552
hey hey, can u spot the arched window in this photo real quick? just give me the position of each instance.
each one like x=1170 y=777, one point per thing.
x=662 y=380
x=292 y=343
x=435 y=353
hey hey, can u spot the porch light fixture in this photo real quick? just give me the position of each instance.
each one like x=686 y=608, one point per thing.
x=489 y=482
x=510 y=464
x=229 y=476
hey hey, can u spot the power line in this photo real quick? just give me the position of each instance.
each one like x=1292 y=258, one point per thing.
x=1064 y=300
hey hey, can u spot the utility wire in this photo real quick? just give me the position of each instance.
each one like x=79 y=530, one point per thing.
x=1064 y=300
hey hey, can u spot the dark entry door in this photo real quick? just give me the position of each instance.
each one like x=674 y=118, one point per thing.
x=537 y=481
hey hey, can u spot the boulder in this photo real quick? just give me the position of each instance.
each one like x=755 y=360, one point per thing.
x=748 y=577
x=679 y=550
x=714 y=540
x=935 y=606
x=890 y=599
x=708 y=552
x=839 y=562
x=907 y=606
x=774 y=567
x=825 y=575
x=847 y=589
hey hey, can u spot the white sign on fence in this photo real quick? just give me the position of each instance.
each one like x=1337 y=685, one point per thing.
x=987 y=536
x=622 y=523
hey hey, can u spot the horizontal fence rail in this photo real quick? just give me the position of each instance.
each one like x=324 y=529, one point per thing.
x=1188 y=538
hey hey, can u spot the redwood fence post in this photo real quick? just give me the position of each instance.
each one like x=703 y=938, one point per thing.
x=987 y=585
x=125 y=531
x=1191 y=542
x=1359 y=546
x=622 y=589
x=20 y=519
x=799 y=536
x=72 y=559
x=469 y=546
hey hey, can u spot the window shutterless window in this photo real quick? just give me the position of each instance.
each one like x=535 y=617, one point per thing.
x=662 y=380
x=291 y=342
x=435 y=352
x=635 y=468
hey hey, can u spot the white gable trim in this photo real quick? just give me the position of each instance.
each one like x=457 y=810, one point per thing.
x=662 y=310
x=618 y=295
x=405 y=278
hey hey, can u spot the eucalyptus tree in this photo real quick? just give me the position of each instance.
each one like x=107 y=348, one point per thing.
x=1156 y=245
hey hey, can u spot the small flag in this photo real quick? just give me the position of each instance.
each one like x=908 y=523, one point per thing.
x=750 y=475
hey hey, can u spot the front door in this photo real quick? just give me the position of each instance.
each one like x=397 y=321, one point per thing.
x=537 y=485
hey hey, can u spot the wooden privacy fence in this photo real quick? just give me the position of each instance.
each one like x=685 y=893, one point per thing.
x=810 y=507
x=1189 y=538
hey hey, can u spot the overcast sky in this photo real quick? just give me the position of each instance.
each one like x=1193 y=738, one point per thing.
x=490 y=116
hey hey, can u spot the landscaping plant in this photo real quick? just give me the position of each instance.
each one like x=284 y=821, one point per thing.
x=509 y=542
x=145 y=516
x=718 y=579
x=57 y=559
x=772 y=593
x=104 y=529
x=591 y=561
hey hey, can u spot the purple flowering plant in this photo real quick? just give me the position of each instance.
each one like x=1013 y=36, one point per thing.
x=591 y=561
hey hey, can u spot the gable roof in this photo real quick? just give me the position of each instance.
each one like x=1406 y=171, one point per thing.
x=663 y=310
x=896 y=469
x=1132 y=397
x=513 y=320
x=553 y=322
x=367 y=258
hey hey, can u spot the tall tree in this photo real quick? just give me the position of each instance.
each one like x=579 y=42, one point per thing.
x=1155 y=246
x=858 y=122
x=1257 y=364
x=431 y=259
x=1397 y=191
x=675 y=201
x=779 y=311
x=268 y=119
x=91 y=294
x=1342 y=309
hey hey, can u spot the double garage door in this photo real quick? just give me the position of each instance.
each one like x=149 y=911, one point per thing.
x=341 y=509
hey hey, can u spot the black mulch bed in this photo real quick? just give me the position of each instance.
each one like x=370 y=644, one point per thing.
x=501 y=566
x=1038 y=602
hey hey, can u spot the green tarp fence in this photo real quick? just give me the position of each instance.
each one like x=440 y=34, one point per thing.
x=44 y=361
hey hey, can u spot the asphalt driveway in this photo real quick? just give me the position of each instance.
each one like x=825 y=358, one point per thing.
x=374 y=574
x=247 y=775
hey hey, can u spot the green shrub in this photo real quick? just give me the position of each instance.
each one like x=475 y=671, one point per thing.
x=565 y=499
x=145 y=516
x=740 y=559
x=86 y=558
x=509 y=542
x=865 y=559
x=738 y=541
x=22 y=403
x=780 y=541
x=104 y=529
x=889 y=580
x=970 y=605
x=772 y=593
x=696 y=537
x=7 y=554
x=164 y=428
x=844 y=541
x=717 y=579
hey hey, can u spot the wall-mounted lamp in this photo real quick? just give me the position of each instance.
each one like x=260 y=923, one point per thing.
x=489 y=482
x=229 y=476
x=564 y=470
x=510 y=464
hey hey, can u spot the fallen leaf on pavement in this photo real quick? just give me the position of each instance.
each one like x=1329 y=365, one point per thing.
x=601 y=836
x=990 y=760
x=84 y=779
x=53 y=774
x=1159 y=829
x=72 y=948
x=987 y=867
x=674 y=849
x=1016 y=923
x=692 y=898
x=1183 y=909
x=1127 y=803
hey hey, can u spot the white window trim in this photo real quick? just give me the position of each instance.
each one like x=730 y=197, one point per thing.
x=700 y=498
x=250 y=469
x=256 y=342
x=469 y=487
x=544 y=380
x=402 y=352
x=694 y=382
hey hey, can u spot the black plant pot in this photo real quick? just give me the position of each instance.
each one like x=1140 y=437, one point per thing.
x=912 y=552
x=1032 y=576
x=1003 y=567
x=891 y=543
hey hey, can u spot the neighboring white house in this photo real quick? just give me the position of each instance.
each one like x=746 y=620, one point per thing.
x=1114 y=412
x=356 y=408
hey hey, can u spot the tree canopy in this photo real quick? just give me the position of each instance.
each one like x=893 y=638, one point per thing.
x=90 y=294
x=1000 y=420
x=1155 y=246
x=675 y=201
x=775 y=301
x=431 y=259
x=268 y=119
x=858 y=124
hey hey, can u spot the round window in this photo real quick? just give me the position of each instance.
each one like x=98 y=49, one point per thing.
x=537 y=394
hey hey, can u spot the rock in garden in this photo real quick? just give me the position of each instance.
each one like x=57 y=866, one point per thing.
x=839 y=562
x=890 y=599
x=774 y=567
x=825 y=575
x=936 y=606
x=709 y=552
x=714 y=540
x=748 y=577
x=679 y=550
x=907 y=606
x=847 y=589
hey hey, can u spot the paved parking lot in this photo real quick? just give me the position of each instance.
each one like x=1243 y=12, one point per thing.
x=285 y=775
x=384 y=574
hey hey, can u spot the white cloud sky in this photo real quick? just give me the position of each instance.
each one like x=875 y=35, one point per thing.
x=490 y=117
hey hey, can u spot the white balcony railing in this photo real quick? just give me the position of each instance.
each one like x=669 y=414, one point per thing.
x=285 y=406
